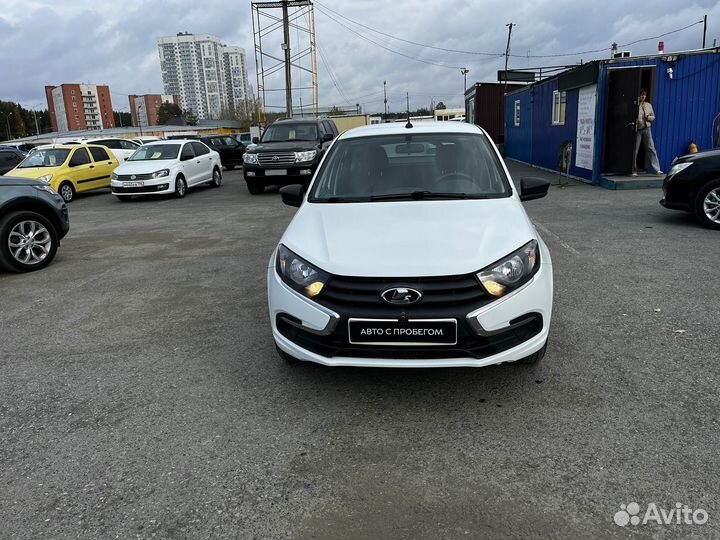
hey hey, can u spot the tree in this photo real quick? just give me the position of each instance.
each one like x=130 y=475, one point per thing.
x=190 y=117
x=166 y=111
x=440 y=106
x=122 y=119
x=21 y=121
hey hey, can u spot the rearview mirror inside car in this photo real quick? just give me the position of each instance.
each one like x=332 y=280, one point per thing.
x=533 y=188
x=328 y=137
x=292 y=195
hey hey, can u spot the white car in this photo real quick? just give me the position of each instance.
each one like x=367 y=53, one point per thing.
x=122 y=149
x=411 y=248
x=164 y=167
x=145 y=140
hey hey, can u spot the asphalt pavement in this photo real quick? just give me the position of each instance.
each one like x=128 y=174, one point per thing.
x=141 y=395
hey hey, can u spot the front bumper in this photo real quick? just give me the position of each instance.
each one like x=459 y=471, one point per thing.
x=505 y=330
x=296 y=174
x=150 y=187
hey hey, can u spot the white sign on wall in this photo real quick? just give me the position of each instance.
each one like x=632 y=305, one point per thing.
x=585 y=143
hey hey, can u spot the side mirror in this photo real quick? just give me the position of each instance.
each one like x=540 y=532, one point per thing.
x=256 y=140
x=292 y=195
x=186 y=157
x=533 y=188
x=327 y=137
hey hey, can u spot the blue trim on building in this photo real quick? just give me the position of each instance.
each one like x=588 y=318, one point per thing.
x=685 y=107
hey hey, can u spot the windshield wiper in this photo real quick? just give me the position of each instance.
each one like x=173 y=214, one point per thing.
x=422 y=195
x=344 y=199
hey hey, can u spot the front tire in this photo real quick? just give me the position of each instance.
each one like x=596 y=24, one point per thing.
x=28 y=241
x=534 y=358
x=67 y=191
x=707 y=205
x=255 y=187
x=217 y=179
x=180 y=187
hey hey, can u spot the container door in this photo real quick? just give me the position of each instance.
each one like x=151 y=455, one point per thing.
x=623 y=88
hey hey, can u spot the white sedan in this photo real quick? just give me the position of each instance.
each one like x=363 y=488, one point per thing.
x=165 y=167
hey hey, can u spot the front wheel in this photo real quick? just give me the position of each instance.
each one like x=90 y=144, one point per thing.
x=67 y=191
x=255 y=187
x=180 y=187
x=28 y=241
x=707 y=205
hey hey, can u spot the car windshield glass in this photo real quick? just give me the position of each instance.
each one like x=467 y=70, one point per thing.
x=426 y=166
x=291 y=132
x=155 y=151
x=46 y=157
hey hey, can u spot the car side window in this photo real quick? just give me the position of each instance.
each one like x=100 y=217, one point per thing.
x=127 y=145
x=6 y=157
x=80 y=157
x=333 y=127
x=187 y=152
x=109 y=143
x=99 y=154
x=200 y=149
x=323 y=129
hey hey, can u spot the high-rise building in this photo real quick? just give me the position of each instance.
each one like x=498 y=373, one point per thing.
x=75 y=107
x=210 y=78
x=144 y=109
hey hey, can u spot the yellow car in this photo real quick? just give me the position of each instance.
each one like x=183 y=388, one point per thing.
x=68 y=169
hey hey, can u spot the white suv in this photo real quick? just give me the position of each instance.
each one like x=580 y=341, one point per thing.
x=122 y=149
x=164 y=167
x=411 y=249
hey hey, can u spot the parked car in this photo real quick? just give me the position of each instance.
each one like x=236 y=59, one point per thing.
x=9 y=158
x=423 y=259
x=145 y=140
x=121 y=148
x=69 y=169
x=231 y=152
x=22 y=146
x=244 y=138
x=693 y=185
x=164 y=167
x=33 y=220
x=288 y=153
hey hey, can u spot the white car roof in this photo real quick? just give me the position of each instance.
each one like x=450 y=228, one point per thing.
x=398 y=128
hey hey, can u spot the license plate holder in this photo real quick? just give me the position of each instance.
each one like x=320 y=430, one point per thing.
x=276 y=172
x=413 y=333
x=133 y=184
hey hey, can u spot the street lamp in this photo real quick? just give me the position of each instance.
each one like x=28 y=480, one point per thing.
x=139 y=107
x=7 y=121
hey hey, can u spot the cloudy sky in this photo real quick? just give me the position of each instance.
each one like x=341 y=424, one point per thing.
x=115 y=42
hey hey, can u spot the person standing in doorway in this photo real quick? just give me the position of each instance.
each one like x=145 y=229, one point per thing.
x=643 y=134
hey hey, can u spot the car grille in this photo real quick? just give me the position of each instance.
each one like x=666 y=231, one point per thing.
x=360 y=296
x=284 y=159
x=134 y=177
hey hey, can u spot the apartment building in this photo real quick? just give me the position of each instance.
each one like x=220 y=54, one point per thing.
x=144 y=108
x=76 y=107
x=209 y=77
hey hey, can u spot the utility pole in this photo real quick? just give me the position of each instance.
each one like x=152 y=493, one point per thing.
x=704 y=29
x=385 y=98
x=302 y=114
x=7 y=122
x=37 y=129
x=507 y=53
x=286 y=48
x=139 y=107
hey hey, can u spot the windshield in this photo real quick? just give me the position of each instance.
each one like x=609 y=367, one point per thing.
x=47 y=157
x=155 y=151
x=410 y=167
x=291 y=132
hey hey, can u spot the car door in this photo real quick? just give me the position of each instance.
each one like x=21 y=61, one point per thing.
x=189 y=167
x=81 y=169
x=203 y=159
x=104 y=166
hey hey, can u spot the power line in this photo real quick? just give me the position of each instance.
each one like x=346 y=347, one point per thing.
x=383 y=46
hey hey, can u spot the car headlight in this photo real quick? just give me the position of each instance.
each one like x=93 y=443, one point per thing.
x=161 y=173
x=113 y=176
x=300 y=157
x=250 y=158
x=299 y=274
x=46 y=188
x=47 y=178
x=511 y=272
x=679 y=167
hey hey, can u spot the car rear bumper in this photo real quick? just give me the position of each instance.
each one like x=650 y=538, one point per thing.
x=504 y=330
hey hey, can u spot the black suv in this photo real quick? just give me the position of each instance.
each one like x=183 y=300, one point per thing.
x=9 y=158
x=288 y=153
x=231 y=151
x=33 y=220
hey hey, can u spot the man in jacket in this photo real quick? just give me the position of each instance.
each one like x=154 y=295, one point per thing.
x=643 y=134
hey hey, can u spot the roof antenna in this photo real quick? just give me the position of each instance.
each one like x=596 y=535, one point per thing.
x=409 y=123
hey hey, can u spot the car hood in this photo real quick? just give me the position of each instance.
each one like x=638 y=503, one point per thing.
x=32 y=172
x=144 y=167
x=408 y=238
x=297 y=146
x=15 y=180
